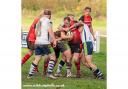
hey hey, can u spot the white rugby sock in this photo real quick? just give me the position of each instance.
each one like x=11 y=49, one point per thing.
x=32 y=67
x=51 y=65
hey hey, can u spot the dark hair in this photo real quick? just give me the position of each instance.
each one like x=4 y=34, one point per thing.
x=47 y=12
x=87 y=8
x=67 y=18
x=57 y=33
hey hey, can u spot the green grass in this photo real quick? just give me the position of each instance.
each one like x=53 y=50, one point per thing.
x=85 y=82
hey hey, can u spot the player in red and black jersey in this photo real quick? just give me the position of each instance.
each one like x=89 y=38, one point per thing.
x=75 y=44
x=64 y=47
x=87 y=19
x=30 y=41
x=87 y=58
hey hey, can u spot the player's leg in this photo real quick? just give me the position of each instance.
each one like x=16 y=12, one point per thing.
x=76 y=60
x=38 y=55
x=60 y=66
x=97 y=73
x=46 y=61
x=57 y=53
x=75 y=48
x=27 y=56
x=52 y=61
x=66 y=51
x=62 y=46
x=68 y=56
x=30 y=46
x=33 y=66
x=83 y=60
x=88 y=58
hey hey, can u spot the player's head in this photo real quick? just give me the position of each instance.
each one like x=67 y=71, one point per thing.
x=47 y=13
x=66 y=21
x=87 y=11
x=71 y=16
x=57 y=34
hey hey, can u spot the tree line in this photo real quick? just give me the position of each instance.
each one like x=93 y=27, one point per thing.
x=98 y=6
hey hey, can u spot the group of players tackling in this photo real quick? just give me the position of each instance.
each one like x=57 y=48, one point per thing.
x=73 y=39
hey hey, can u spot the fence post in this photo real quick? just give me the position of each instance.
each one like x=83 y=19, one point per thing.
x=96 y=47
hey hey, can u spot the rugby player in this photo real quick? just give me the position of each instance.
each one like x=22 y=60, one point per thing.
x=87 y=19
x=30 y=39
x=63 y=45
x=87 y=36
x=75 y=44
x=42 y=44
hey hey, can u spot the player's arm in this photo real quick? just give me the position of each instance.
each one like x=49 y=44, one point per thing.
x=80 y=29
x=58 y=39
x=51 y=33
x=79 y=23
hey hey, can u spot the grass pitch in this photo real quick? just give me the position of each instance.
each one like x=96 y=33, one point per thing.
x=86 y=81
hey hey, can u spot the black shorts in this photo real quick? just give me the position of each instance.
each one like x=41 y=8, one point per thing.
x=75 y=48
x=63 y=46
x=57 y=52
x=43 y=49
x=30 y=45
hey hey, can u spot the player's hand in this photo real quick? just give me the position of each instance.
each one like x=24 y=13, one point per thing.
x=94 y=38
x=60 y=28
x=66 y=29
x=54 y=43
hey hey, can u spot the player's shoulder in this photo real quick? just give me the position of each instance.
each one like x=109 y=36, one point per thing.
x=45 y=20
x=36 y=19
x=81 y=18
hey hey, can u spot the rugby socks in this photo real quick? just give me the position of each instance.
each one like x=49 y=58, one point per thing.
x=68 y=67
x=51 y=65
x=32 y=69
x=77 y=64
x=90 y=68
x=97 y=73
x=25 y=58
x=45 y=66
x=36 y=69
x=61 y=64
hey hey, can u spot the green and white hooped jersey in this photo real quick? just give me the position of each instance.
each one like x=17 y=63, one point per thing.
x=86 y=34
x=42 y=36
